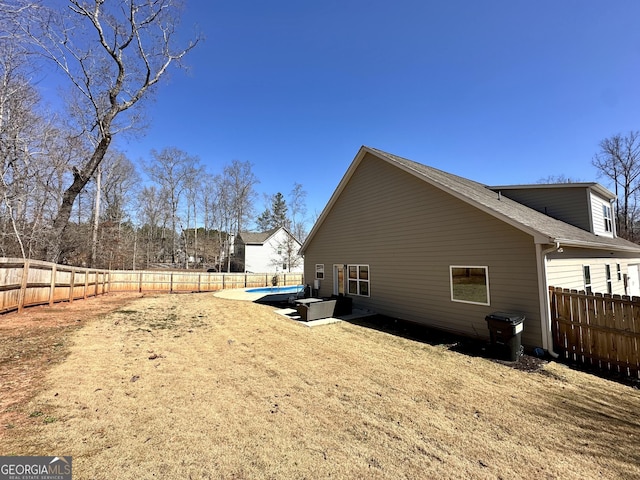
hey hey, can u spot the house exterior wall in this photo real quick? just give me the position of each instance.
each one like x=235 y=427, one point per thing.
x=571 y=205
x=265 y=257
x=597 y=202
x=410 y=234
x=565 y=270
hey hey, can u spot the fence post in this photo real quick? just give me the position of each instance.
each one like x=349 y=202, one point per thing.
x=86 y=284
x=23 y=285
x=72 y=284
x=52 y=290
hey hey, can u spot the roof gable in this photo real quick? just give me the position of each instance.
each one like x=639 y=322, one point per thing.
x=260 y=238
x=542 y=228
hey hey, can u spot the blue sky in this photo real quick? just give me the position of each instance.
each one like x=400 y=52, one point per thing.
x=498 y=91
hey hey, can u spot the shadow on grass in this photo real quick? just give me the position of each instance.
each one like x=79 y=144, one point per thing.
x=476 y=347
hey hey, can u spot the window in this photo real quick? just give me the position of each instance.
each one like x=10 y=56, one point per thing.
x=470 y=284
x=607 y=269
x=319 y=271
x=586 y=271
x=619 y=271
x=358 y=280
x=608 y=223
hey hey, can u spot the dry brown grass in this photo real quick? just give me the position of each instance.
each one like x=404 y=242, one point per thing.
x=194 y=386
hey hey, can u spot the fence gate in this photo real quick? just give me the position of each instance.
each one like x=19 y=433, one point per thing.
x=598 y=330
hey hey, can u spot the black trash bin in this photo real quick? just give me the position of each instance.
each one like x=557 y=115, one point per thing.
x=505 y=332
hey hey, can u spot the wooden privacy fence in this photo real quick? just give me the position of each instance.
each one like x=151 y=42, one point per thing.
x=597 y=329
x=26 y=283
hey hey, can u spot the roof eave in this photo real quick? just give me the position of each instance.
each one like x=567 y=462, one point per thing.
x=569 y=242
x=597 y=187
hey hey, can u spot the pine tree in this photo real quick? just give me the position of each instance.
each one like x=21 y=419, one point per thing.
x=274 y=216
x=279 y=209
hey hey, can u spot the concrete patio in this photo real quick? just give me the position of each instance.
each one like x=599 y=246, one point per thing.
x=291 y=313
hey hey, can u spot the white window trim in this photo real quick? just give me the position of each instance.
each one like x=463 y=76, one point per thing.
x=588 y=287
x=319 y=271
x=486 y=274
x=607 y=218
x=607 y=274
x=358 y=280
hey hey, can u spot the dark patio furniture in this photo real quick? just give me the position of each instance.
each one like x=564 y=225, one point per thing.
x=316 y=310
x=344 y=305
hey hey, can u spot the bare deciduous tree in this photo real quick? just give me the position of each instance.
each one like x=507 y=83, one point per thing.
x=114 y=182
x=298 y=209
x=153 y=217
x=237 y=186
x=619 y=161
x=173 y=170
x=240 y=182
x=557 y=179
x=33 y=149
x=285 y=254
x=113 y=55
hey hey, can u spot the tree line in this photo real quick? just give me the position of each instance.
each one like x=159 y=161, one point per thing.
x=67 y=195
x=183 y=216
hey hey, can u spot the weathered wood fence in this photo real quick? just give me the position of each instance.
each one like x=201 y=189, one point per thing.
x=26 y=283
x=597 y=330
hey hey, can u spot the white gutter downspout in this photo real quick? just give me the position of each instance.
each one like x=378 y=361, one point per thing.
x=543 y=288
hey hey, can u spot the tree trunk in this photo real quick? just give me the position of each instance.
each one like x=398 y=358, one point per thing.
x=96 y=219
x=80 y=180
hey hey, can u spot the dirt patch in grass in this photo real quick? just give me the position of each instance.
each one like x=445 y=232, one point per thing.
x=194 y=386
x=32 y=341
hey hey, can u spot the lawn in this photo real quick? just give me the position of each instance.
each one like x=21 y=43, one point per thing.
x=195 y=386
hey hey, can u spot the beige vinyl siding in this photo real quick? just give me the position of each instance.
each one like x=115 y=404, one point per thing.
x=571 y=205
x=564 y=270
x=410 y=233
x=597 y=203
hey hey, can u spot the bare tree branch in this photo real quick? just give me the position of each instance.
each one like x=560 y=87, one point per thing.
x=113 y=57
x=619 y=161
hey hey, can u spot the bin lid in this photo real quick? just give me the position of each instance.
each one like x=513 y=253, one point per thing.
x=507 y=317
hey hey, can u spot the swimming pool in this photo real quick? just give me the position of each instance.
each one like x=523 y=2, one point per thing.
x=276 y=290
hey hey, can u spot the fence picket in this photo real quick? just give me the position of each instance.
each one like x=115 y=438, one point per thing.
x=601 y=330
x=590 y=347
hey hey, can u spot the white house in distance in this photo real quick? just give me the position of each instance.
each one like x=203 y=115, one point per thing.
x=416 y=243
x=274 y=251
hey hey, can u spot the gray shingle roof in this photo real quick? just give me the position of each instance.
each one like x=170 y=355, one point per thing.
x=257 y=237
x=510 y=211
x=544 y=229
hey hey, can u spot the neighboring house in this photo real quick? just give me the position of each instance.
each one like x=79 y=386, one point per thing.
x=423 y=245
x=274 y=251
